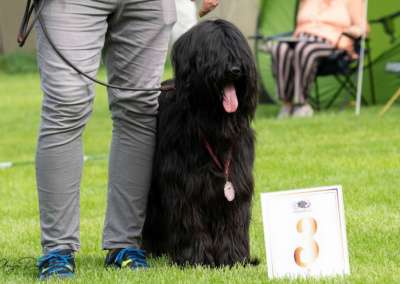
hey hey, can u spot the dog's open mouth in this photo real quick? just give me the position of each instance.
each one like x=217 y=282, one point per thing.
x=230 y=101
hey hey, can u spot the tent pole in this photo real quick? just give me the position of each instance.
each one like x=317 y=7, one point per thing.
x=361 y=62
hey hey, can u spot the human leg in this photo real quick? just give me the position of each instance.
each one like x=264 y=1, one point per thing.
x=306 y=56
x=135 y=54
x=78 y=31
x=282 y=67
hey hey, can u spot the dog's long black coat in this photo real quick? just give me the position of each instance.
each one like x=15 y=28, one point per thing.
x=188 y=216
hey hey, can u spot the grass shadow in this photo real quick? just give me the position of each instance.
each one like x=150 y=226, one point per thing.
x=24 y=266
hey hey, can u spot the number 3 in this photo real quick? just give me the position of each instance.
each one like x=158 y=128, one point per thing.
x=308 y=253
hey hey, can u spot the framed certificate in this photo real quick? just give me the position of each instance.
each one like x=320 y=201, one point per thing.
x=305 y=232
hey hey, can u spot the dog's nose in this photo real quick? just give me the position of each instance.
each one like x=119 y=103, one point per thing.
x=235 y=71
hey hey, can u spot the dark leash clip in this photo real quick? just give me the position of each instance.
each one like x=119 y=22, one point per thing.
x=26 y=28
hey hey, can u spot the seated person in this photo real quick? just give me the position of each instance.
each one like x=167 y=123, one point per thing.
x=319 y=30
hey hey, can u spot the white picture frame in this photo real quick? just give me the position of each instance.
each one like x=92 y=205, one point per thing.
x=305 y=232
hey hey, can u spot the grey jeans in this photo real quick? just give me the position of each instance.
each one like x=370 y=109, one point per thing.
x=133 y=37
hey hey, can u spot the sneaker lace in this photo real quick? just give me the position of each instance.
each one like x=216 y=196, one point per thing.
x=136 y=255
x=55 y=262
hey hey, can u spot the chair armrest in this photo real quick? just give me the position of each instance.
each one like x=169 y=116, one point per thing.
x=270 y=38
x=357 y=42
x=277 y=36
x=352 y=37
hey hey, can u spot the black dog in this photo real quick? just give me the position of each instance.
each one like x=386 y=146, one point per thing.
x=200 y=201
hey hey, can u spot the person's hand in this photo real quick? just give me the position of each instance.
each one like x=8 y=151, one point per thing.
x=207 y=6
x=355 y=31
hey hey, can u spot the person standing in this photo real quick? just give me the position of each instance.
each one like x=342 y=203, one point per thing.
x=186 y=18
x=133 y=36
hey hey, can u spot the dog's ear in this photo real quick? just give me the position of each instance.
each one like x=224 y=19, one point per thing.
x=181 y=58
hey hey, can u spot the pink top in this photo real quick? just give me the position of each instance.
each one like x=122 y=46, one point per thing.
x=330 y=18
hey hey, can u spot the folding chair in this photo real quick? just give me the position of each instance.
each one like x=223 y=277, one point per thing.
x=342 y=67
x=339 y=65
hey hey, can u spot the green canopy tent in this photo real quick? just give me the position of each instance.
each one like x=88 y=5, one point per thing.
x=277 y=16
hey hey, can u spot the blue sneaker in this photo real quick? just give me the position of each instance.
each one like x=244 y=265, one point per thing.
x=130 y=257
x=59 y=263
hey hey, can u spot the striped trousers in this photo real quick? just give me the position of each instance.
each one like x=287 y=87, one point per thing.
x=294 y=66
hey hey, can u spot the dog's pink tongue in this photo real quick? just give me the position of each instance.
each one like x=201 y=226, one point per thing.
x=230 y=102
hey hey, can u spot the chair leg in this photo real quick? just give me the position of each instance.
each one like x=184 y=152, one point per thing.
x=347 y=95
x=317 y=98
x=354 y=89
x=371 y=74
x=351 y=87
x=337 y=93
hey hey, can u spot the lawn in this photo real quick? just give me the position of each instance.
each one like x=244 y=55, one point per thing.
x=360 y=153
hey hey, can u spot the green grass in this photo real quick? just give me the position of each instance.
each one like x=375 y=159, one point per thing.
x=361 y=153
x=18 y=63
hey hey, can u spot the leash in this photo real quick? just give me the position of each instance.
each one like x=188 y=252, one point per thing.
x=225 y=167
x=229 y=190
x=11 y=164
x=25 y=29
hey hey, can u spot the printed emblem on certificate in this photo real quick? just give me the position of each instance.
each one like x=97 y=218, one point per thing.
x=305 y=232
